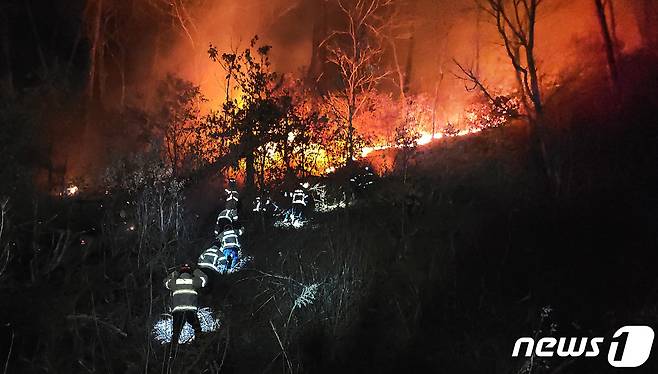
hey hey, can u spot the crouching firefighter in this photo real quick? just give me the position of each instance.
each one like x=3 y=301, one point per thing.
x=210 y=260
x=226 y=217
x=184 y=286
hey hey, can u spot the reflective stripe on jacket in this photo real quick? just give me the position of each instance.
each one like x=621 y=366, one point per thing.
x=213 y=259
x=184 y=289
x=231 y=195
x=299 y=197
x=257 y=204
x=230 y=239
x=229 y=216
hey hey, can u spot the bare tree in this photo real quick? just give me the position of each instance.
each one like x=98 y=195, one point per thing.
x=608 y=43
x=401 y=29
x=441 y=29
x=5 y=246
x=178 y=121
x=515 y=21
x=356 y=49
x=96 y=49
x=37 y=38
x=109 y=28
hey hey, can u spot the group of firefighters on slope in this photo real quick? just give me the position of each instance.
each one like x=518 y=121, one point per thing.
x=222 y=257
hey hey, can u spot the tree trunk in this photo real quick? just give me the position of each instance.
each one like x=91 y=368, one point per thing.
x=101 y=76
x=74 y=50
x=532 y=66
x=435 y=100
x=534 y=85
x=409 y=64
x=613 y=25
x=398 y=70
x=318 y=53
x=608 y=44
x=350 y=136
x=250 y=170
x=37 y=39
x=122 y=71
x=477 y=40
x=93 y=53
x=261 y=172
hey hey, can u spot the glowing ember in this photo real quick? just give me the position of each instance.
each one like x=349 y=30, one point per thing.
x=71 y=190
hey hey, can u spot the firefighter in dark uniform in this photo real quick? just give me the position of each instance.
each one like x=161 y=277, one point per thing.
x=362 y=181
x=230 y=246
x=299 y=202
x=265 y=205
x=184 y=286
x=232 y=195
x=226 y=217
x=259 y=206
x=210 y=259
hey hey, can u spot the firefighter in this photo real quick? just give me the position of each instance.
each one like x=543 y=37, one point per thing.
x=361 y=181
x=230 y=246
x=210 y=259
x=259 y=206
x=270 y=206
x=299 y=201
x=265 y=204
x=232 y=195
x=226 y=217
x=184 y=285
x=368 y=177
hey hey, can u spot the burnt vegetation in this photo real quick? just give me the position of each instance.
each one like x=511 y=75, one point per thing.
x=541 y=221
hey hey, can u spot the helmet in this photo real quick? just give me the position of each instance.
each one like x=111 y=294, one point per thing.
x=185 y=268
x=228 y=227
x=305 y=184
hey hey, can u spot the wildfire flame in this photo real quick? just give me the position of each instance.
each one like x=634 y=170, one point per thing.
x=424 y=139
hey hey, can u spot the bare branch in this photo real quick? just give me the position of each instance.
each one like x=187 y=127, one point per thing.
x=471 y=76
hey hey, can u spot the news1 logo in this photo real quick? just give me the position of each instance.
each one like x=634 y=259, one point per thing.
x=630 y=346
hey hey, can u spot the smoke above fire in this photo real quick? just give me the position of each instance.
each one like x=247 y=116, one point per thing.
x=434 y=32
